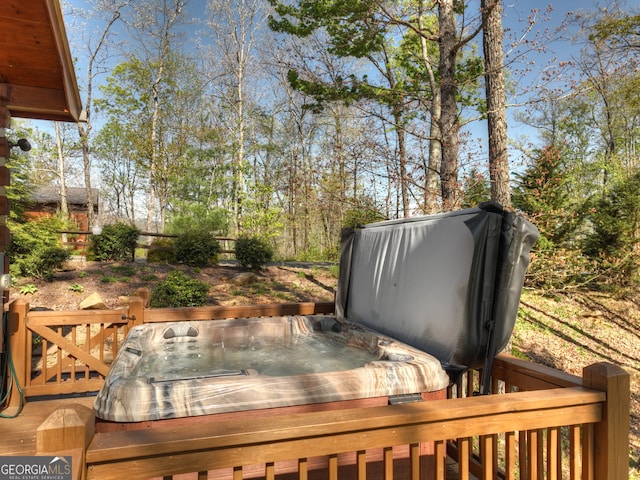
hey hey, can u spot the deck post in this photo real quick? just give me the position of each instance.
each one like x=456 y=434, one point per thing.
x=67 y=432
x=17 y=316
x=611 y=435
x=136 y=311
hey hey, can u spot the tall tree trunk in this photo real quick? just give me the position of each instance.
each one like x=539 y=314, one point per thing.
x=402 y=159
x=431 y=184
x=450 y=123
x=238 y=174
x=169 y=20
x=64 y=206
x=432 y=167
x=495 y=95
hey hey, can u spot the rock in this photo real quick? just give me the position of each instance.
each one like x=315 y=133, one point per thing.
x=93 y=302
x=244 y=278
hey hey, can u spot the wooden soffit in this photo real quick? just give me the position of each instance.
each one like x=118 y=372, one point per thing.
x=35 y=62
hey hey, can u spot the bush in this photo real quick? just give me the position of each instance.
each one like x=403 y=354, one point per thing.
x=253 y=252
x=197 y=249
x=35 y=249
x=179 y=290
x=116 y=242
x=42 y=263
x=162 y=251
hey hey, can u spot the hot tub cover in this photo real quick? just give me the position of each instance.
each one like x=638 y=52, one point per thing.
x=448 y=284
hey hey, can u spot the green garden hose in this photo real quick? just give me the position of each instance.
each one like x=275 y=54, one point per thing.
x=8 y=372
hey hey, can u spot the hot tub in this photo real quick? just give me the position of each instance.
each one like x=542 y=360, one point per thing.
x=187 y=369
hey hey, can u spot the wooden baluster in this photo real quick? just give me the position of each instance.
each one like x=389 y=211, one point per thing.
x=510 y=455
x=87 y=348
x=554 y=458
x=387 y=455
x=535 y=454
x=574 y=452
x=29 y=356
x=361 y=464
x=470 y=383
x=270 y=471
x=487 y=456
x=414 y=461
x=237 y=473
x=333 y=467
x=522 y=455
x=464 y=455
x=73 y=362
x=540 y=455
x=440 y=456
x=303 y=469
x=45 y=362
x=59 y=359
x=102 y=329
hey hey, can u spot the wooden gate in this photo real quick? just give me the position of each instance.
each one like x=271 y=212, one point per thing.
x=65 y=352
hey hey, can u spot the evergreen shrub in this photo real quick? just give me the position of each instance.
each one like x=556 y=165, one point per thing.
x=614 y=239
x=116 y=242
x=197 y=249
x=253 y=252
x=35 y=249
x=42 y=263
x=179 y=290
x=162 y=251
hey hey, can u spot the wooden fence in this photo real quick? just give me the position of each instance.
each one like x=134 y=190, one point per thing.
x=540 y=423
x=79 y=241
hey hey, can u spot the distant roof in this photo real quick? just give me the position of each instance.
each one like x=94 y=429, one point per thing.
x=75 y=195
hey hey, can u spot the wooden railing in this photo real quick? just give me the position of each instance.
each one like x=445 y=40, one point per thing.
x=540 y=423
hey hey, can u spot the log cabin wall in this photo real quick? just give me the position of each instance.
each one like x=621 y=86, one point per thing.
x=5 y=150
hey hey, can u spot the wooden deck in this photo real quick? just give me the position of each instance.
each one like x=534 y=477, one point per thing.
x=19 y=434
x=538 y=423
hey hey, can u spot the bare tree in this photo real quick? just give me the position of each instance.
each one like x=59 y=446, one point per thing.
x=97 y=56
x=235 y=26
x=64 y=207
x=154 y=25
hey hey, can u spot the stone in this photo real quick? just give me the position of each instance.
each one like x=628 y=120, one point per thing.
x=93 y=302
x=244 y=278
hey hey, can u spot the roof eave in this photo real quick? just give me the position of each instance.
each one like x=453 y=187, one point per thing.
x=51 y=104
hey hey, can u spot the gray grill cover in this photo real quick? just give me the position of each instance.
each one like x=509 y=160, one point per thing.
x=448 y=284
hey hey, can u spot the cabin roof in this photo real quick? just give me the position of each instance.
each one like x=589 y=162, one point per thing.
x=75 y=195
